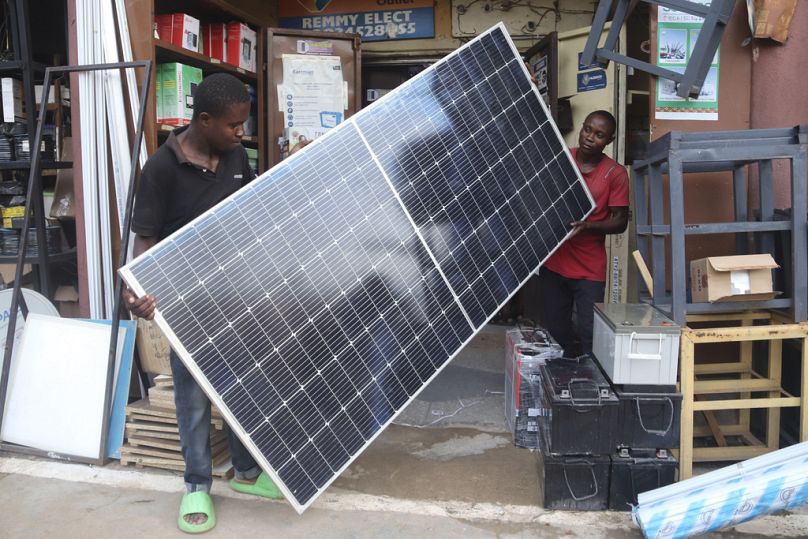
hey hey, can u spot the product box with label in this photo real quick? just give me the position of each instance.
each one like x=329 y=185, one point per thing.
x=214 y=40
x=732 y=278
x=185 y=31
x=178 y=82
x=635 y=344
x=12 y=99
x=179 y=29
x=13 y=216
x=241 y=46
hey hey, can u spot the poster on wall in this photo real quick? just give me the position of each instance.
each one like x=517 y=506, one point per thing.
x=373 y=20
x=677 y=33
x=539 y=65
x=312 y=97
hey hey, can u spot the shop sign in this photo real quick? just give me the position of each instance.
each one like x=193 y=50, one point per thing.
x=373 y=20
x=591 y=80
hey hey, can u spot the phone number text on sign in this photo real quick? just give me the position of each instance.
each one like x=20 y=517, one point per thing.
x=372 y=25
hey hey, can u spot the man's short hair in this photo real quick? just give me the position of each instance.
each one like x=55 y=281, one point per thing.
x=217 y=92
x=606 y=115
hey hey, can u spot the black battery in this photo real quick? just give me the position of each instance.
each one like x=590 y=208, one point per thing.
x=634 y=471
x=648 y=420
x=580 y=408
x=574 y=482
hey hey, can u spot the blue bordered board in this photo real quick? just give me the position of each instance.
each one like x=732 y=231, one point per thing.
x=313 y=305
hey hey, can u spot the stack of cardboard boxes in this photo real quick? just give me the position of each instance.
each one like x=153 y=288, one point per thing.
x=234 y=43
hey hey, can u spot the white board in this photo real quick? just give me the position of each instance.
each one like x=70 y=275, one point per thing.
x=56 y=386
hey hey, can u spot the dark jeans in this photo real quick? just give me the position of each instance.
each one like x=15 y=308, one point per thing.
x=557 y=296
x=193 y=419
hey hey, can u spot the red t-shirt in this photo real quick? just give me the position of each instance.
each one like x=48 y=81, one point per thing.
x=583 y=256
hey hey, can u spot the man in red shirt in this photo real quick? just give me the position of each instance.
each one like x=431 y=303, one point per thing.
x=575 y=275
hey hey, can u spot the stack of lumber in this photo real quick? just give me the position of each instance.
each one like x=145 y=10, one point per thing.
x=152 y=435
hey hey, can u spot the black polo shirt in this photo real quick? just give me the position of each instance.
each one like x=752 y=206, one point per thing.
x=173 y=191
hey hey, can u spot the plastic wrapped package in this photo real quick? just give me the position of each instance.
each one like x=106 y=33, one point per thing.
x=726 y=497
x=526 y=350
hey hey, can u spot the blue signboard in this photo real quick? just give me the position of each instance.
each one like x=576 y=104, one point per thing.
x=581 y=66
x=373 y=20
x=591 y=80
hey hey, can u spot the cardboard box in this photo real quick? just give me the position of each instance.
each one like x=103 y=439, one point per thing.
x=179 y=82
x=165 y=26
x=12 y=217
x=185 y=31
x=67 y=301
x=214 y=40
x=12 y=99
x=63 y=206
x=241 y=46
x=153 y=348
x=158 y=93
x=732 y=278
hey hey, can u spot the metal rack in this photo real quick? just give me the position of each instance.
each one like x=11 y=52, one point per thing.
x=30 y=72
x=716 y=16
x=677 y=154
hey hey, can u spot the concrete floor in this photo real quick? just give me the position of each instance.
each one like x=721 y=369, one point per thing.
x=447 y=468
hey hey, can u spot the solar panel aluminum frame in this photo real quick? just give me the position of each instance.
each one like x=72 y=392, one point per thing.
x=197 y=373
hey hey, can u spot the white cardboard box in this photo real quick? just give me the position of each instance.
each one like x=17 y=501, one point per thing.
x=12 y=99
x=241 y=46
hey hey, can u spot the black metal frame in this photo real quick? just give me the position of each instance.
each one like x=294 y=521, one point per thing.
x=688 y=84
x=677 y=154
x=17 y=299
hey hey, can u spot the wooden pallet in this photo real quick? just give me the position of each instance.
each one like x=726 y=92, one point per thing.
x=144 y=410
x=137 y=439
x=223 y=470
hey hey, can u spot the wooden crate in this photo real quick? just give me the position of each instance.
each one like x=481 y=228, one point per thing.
x=732 y=385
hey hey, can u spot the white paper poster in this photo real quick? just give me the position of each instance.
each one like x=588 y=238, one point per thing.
x=312 y=95
x=676 y=38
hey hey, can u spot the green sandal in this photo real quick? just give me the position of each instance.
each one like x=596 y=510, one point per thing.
x=263 y=487
x=196 y=502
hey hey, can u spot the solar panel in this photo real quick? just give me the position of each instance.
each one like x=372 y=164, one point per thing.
x=314 y=304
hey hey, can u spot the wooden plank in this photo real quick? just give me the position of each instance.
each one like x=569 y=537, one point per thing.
x=133 y=430
x=131 y=450
x=144 y=408
x=134 y=452
x=729 y=317
x=222 y=469
x=712 y=423
x=721 y=368
x=702 y=387
x=164 y=381
x=151 y=426
x=738 y=404
x=644 y=273
x=687 y=377
x=131 y=416
x=754 y=333
x=773 y=414
x=804 y=394
x=139 y=440
x=713 y=454
x=702 y=431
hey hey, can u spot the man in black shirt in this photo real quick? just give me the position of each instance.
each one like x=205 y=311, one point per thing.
x=197 y=167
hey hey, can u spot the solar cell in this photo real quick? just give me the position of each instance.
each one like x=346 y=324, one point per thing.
x=316 y=302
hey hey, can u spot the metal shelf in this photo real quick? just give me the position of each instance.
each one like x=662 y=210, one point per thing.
x=169 y=52
x=45 y=165
x=53 y=258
